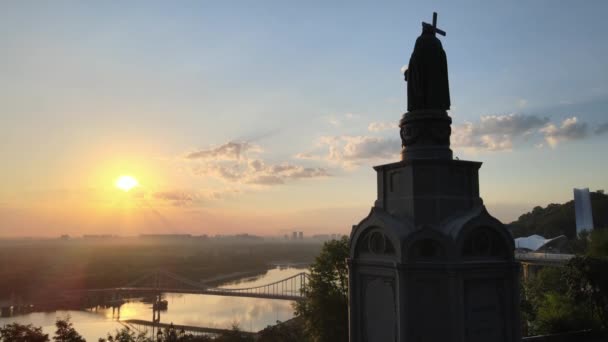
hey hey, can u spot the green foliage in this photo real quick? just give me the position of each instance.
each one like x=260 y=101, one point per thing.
x=559 y=219
x=578 y=246
x=547 y=279
x=234 y=335
x=598 y=243
x=126 y=335
x=16 y=332
x=561 y=313
x=325 y=308
x=65 y=332
x=289 y=331
x=547 y=308
x=587 y=282
x=570 y=298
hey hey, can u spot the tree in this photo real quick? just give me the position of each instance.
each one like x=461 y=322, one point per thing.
x=549 y=308
x=325 y=307
x=560 y=313
x=587 y=282
x=598 y=243
x=291 y=330
x=234 y=335
x=559 y=219
x=126 y=335
x=65 y=332
x=16 y=332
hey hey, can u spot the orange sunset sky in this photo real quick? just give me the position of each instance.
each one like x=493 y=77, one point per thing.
x=267 y=117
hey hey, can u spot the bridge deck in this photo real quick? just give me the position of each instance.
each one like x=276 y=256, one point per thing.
x=214 y=292
x=182 y=327
x=543 y=258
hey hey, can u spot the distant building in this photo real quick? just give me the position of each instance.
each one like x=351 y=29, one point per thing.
x=582 y=208
x=538 y=243
x=301 y=235
x=294 y=235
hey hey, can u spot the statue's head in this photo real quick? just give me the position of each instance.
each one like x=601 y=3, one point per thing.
x=428 y=29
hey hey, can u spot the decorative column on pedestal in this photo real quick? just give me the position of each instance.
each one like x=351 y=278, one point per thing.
x=429 y=263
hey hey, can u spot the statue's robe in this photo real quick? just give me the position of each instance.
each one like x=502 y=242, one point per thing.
x=427 y=75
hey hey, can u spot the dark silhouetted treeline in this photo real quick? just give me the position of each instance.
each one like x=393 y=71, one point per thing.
x=559 y=219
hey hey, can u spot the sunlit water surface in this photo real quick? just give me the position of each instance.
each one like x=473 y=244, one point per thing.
x=251 y=314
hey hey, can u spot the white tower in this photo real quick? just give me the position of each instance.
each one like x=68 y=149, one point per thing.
x=582 y=208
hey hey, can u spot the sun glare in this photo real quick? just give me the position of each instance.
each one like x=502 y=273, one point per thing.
x=126 y=183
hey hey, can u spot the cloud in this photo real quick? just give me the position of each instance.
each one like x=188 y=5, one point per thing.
x=495 y=132
x=350 y=151
x=570 y=129
x=339 y=120
x=381 y=126
x=510 y=124
x=306 y=155
x=257 y=172
x=521 y=103
x=183 y=198
x=239 y=163
x=265 y=180
x=228 y=151
x=601 y=129
x=177 y=198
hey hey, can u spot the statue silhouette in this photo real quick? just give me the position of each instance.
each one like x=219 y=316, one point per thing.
x=427 y=73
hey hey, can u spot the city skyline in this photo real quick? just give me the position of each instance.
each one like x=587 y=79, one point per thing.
x=266 y=118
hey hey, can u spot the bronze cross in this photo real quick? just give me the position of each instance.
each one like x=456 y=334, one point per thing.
x=434 y=26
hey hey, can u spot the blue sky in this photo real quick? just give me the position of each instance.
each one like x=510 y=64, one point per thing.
x=307 y=93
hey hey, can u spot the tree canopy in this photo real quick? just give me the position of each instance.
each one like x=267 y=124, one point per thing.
x=65 y=332
x=16 y=332
x=325 y=308
x=559 y=219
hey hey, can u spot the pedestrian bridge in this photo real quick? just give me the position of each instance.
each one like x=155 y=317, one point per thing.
x=544 y=259
x=160 y=281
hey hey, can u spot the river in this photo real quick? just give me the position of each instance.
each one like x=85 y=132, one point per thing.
x=251 y=314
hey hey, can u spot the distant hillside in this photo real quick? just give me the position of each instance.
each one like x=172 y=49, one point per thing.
x=559 y=219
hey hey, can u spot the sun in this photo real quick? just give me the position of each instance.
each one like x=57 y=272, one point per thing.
x=126 y=183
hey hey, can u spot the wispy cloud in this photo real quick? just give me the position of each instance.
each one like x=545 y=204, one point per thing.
x=259 y=173
x=337 y=120
x=569 y=129
x=521 y=103
x=240 y=163
x=495 y=132
x=176 y=198
x=349 y=151
x=229 y=151
x=601 y=129
x=382 y=126
x=504 y=132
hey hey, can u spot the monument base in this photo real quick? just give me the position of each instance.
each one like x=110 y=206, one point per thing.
x=429 y=263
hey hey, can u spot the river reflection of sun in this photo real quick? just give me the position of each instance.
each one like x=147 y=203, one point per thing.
x=127 y=311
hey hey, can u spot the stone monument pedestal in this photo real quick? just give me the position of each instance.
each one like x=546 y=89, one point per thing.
x=429 y=263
